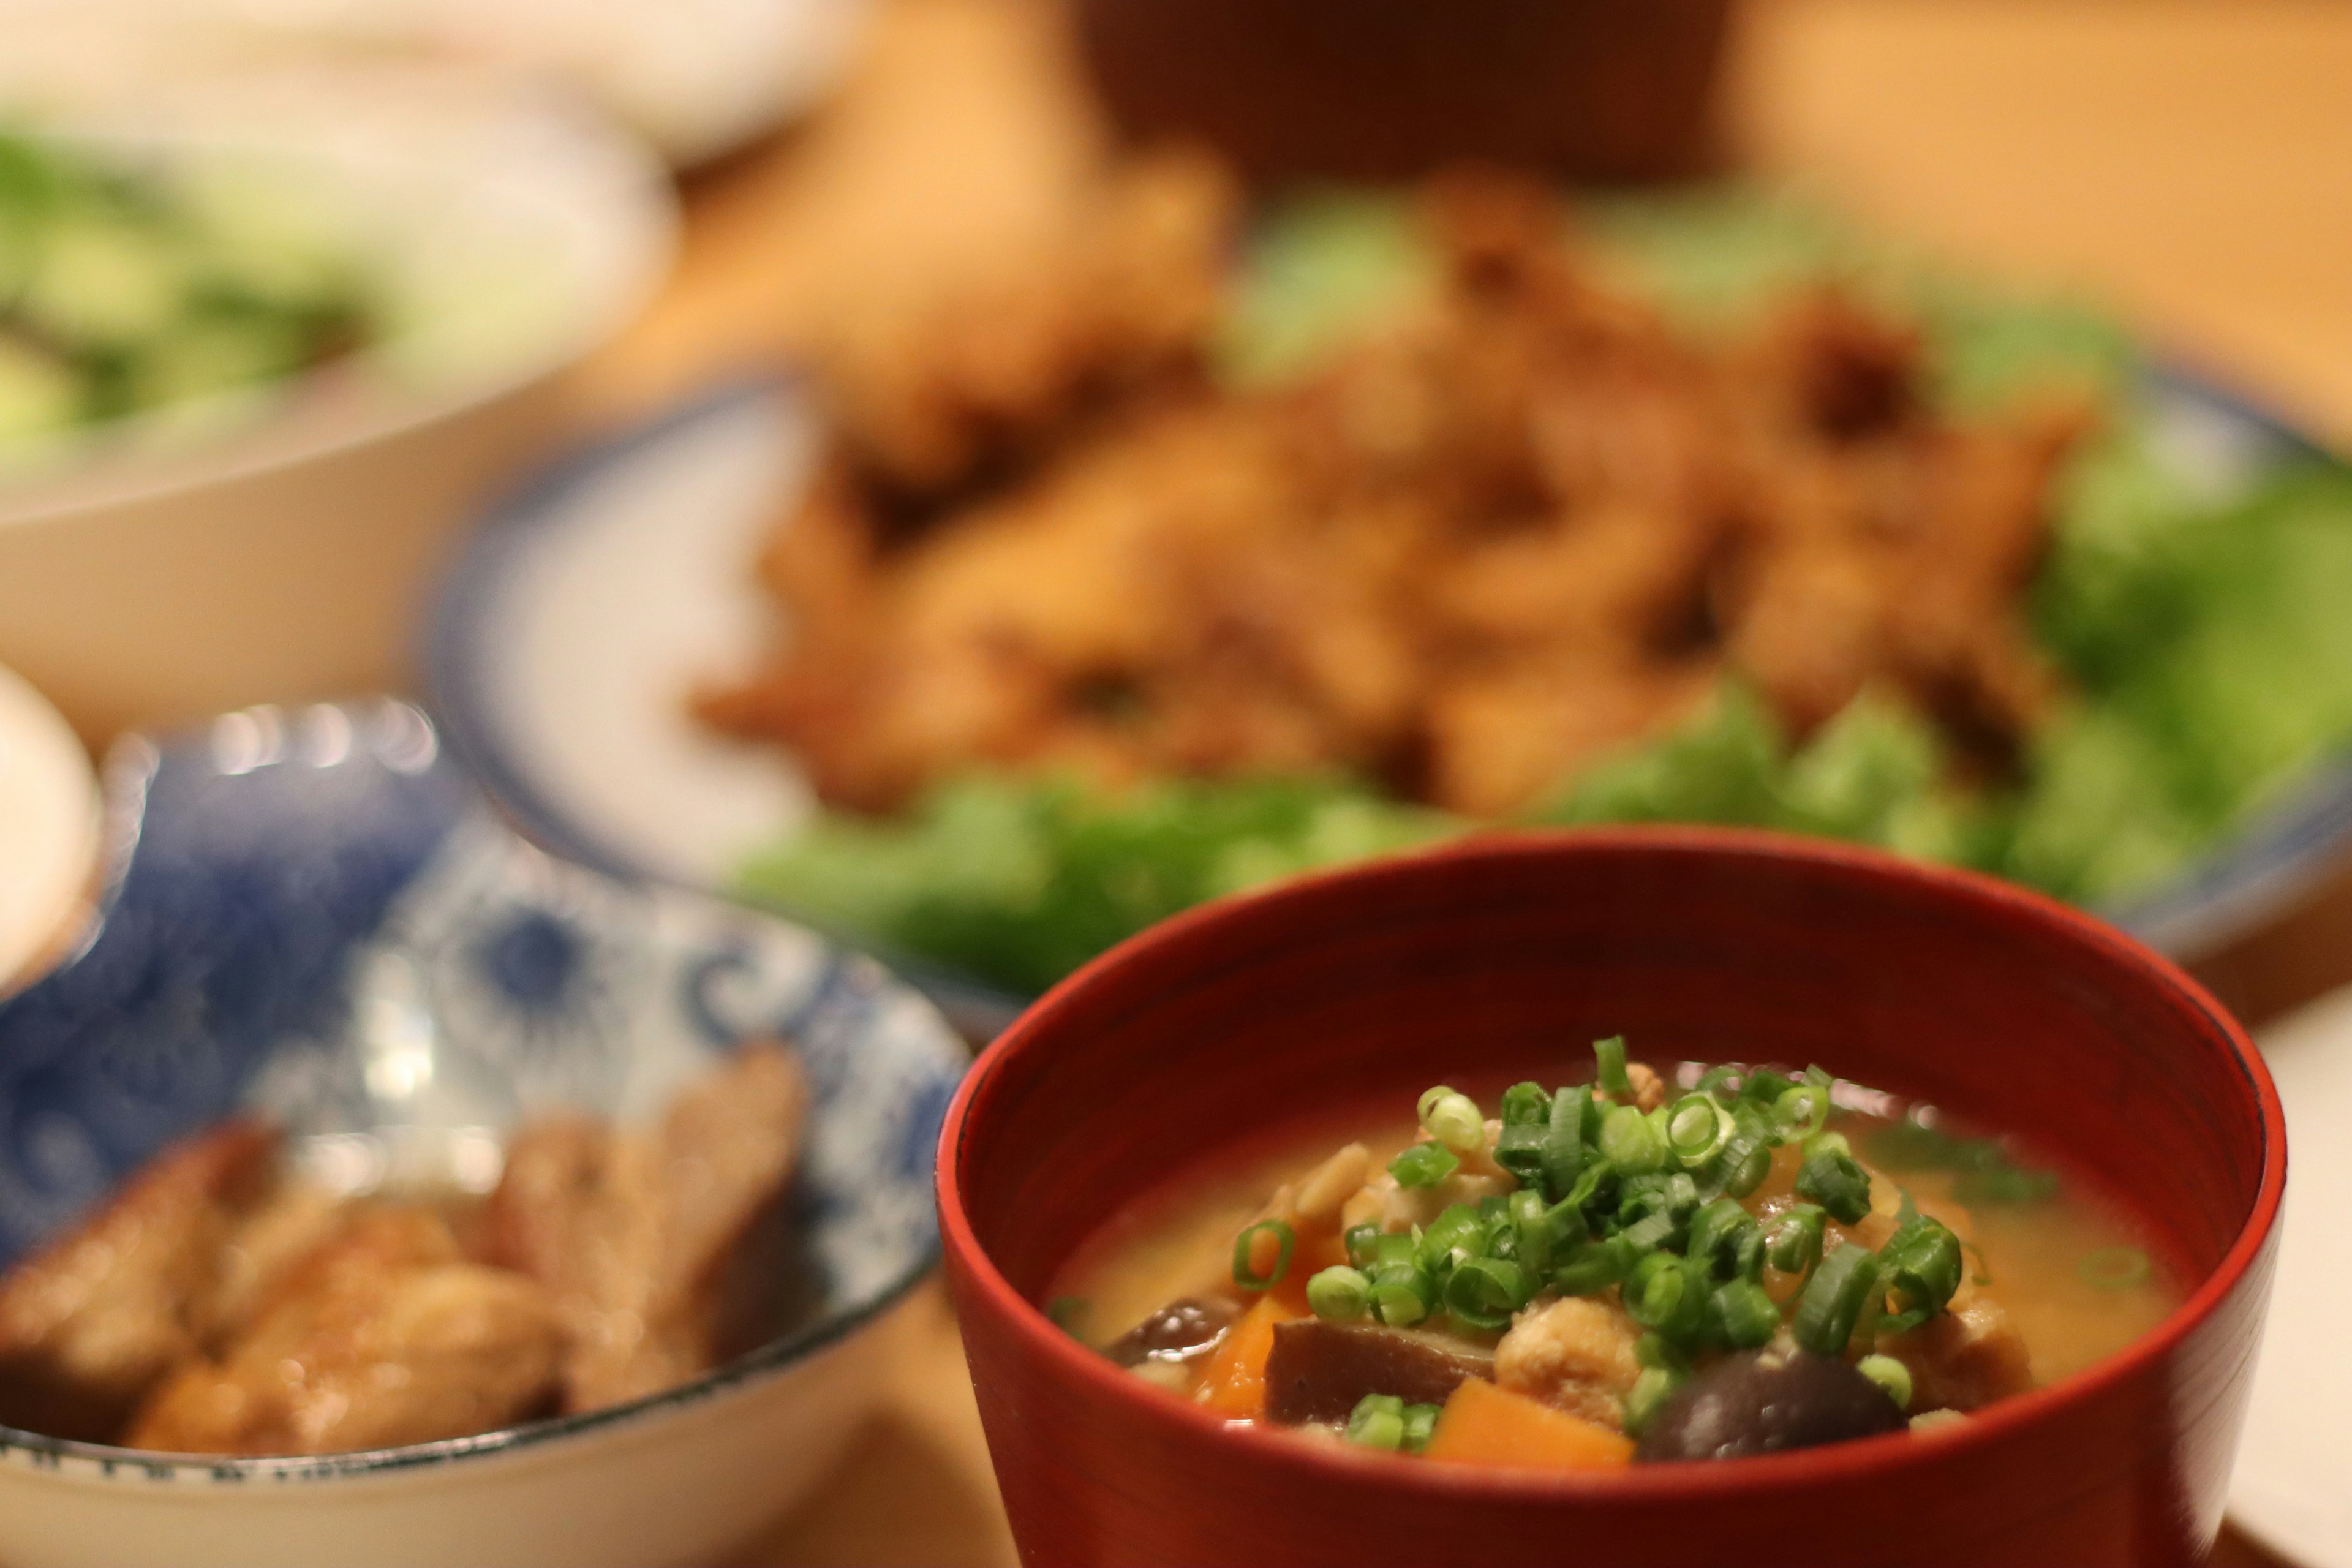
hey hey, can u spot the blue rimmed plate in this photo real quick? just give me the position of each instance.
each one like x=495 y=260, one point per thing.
x=312 y=912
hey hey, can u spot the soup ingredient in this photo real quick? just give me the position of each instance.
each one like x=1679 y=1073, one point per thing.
x=1232 y=1382
x=648 y=1242
x=1762 y=1402
x=1484 y=1424
x=90 y=1321
x=1180 y=1332
x=2115 y=1268
x=220 y=1304
x=1319 y=1371
x=124 y=287
x=386 y=1335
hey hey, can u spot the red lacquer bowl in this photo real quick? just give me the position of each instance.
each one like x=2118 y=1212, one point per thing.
x=1509 y=955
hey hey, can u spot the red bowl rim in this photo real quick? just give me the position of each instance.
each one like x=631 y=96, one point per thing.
x=1861 y=1460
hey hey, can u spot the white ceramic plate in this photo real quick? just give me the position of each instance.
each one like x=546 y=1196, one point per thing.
x=2292 y=1489
x=49 y=830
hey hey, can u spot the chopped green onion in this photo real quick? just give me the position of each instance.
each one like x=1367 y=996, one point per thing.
x=1428 y=1101
x=1817 y=1145
x=1455 y=1121
x=1716 y=1233
x=1652 y=1389
x=1889 y=1375
x=1654 y=1349
x=1695 y=1129
x=1649 y=1233
x=1794 y=1244
x=1455 y=1237
x=1629 y=1141
x=1562 y=1149
x=1539 y=1231
x=1833 y=1300
x=1609 y=1056
x=1519 y=1149
x=1399 y=1303
x=1486 y=1291
x=1378 y=1422
x=2115 y=1268
x=1067 y=1313
x=1359 y=1241
x=1420 y=1427
x=1740 y=1316
x=1921 y=1264
x=1763 y=1087
x=1665 y=1293
x=1524 y=1105
x=1396 y=1250
x=1246 y=1274
x=1423 y=1165
x=1837 y=1184
x=1801 y=1112
x=1593 y=1267
x=1338 y=1294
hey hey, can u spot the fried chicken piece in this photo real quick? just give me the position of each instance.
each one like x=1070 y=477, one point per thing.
x=89 y=1321
x=383 y=1335
x=931 y=403
x=641 y=1238
x=1503 y=740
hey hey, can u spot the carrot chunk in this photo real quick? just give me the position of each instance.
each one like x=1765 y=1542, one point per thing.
x=1233 y=1382
x=1484 y=1424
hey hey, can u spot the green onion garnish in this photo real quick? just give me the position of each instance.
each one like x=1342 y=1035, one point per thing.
x=1538 y=1231
x=1716 y=1234
x=1486 y=1291
x=1801 y=1112
x=1763 y=1087
x=1665 y=1293
x=1359 y=1241
x=1519 y=1149
x=1454 y=1236
x=1610 y=1055
x=1719 y=1083
x=1378 y=1422
x=1562 y=1149
x=1419 y=1425
x=1246 y=1274
x=1816 y=1145
x=1593 y=1267
x=1921 y=1265
x=1631 y=1142
x=1833 y=1300
x=2115 y=1268
x=1889 y=1375
x=1794 y=1243
x=1423 y=1165
x=1740 y=1316
x=1455 y=1121
x=1837 y=1184
x=1695 y=1129
x=1399 y=1303
x=1652 y=1389
x=1338 y=1294
x=1524 y=1105
x=1067 y=1313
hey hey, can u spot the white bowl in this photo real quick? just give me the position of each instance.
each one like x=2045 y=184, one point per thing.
x=273 y=546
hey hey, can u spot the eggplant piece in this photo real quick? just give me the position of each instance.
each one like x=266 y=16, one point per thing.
x=1178 y=1332
x=1319 y=1371
x=1762 y=1402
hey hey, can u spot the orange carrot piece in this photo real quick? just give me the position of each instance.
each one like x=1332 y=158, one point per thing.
x=1484 y=1424
x=1315 y=1253
x=1233 y=1382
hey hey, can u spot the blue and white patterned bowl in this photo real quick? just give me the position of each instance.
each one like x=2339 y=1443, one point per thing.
x=311 y=913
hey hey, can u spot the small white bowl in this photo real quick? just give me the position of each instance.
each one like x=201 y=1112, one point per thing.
x=272 y=545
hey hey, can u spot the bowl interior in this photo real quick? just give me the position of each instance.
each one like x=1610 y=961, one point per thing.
x=1511 y=956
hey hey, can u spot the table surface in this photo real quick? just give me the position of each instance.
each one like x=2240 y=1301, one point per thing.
x=2187 y=161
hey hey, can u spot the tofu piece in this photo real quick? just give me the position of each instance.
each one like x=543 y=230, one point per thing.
x=1576 y=1355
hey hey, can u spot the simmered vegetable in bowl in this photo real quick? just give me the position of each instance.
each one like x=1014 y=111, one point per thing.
x=1704 y=1263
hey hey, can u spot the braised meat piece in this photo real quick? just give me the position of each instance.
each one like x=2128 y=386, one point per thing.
x=385 y=1334
x=89 y=1322
x=644 y=1240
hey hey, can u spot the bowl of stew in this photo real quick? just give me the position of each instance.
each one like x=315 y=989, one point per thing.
x=1686 y=1195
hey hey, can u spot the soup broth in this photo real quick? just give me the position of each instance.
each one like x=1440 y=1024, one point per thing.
x=1275 y=1288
